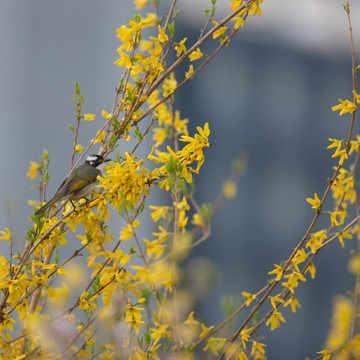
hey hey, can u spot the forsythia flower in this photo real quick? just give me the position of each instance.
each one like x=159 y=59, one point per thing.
x=169 y=85
x=190 y=72
x=89 y=117
x=215 y=345
x=229 y=189
x=99 y=137
x=180 y=47
x=275 y=319
x=162 y=35
x=294 y=303
x=248 y=297
x=220 y=31
x=191 y=321
x=159 y=212
x=239 y=22
x=205 y=330
x=195 y=55
x=33 y=168
x=314 y=202
x=278 y=271
x=140 y=4
x=345 y=106
x=79 y=148
x=5 y=235
x=326 y=354
x=340 y=322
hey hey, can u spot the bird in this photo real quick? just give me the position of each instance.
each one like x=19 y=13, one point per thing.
x=80 y=183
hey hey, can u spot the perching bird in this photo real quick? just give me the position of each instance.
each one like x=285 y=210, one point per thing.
x=80 y=183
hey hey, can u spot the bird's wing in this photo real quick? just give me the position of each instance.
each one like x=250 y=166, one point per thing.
x=74 y=184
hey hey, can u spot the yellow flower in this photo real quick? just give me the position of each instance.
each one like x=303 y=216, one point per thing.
x=354 y=264
x=312 y=270
x=299 y=258
x=99 y=137
x=229 y=189
x=340 y=322
x=133 y=317
x=160 y=212
x=5 y=235
x=205 y=330
x=314 y=202
x=215 y=345
x=89 y=117
x=162 y=35
x=180 y=47
x=190 y=72
x=105 y=115
x=293 y=280
x=126 y=232
x=124 y=60
x=154 y=247
x=140 y=3
x=195 y=55
x=239 y=22
x=293 y=302
x=169 y=85
x=345 y=234
x=257 y=348
x=278 y=271
x=191 y=321
x=33 y=168
x=275 y=319
x=325 y=353
x=161 y=235
x=220 y=31
x=159 y=332
x=197 y=220
x=248 y=297
x=160 y=135
x=345 y=106
x=316 y=241
x=78 y=148
x=357 y=97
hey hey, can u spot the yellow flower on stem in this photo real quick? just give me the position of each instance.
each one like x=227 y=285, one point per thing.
x=215 y=345
x=315 y=202
x=33 y=168
x=89 y=117
x=180 y=47
x=195 y=55
x=205 y=330
x=220 y=31
x=190 y=72
x=325 y=353
x=294 y=303
x=248 y=297
x=191 y=321
x=274 y=320
x=78 y=148
x=5 y=235
x=345 y=106
x=278 y=271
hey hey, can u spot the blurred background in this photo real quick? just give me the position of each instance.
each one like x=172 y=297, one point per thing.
x=268 y=94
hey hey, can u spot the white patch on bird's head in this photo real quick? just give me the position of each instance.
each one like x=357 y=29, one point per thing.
x=94 y=160
x=91 y=158
x=97 y=161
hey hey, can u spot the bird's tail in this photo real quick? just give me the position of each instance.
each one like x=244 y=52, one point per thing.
x=48 y=204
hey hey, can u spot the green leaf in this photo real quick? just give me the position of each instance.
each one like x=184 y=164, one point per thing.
x=77 y=89
x=138 y=134
x=71 y=128
x=171 y=28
